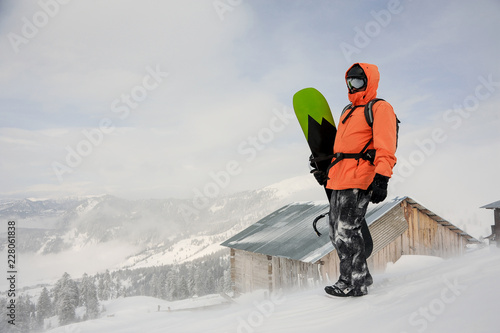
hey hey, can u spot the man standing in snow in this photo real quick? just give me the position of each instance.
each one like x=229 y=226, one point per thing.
x=364 y=156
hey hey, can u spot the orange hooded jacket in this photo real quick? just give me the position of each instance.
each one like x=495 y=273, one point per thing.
x=354 y=133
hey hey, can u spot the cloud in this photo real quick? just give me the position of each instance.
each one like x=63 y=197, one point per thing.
x=223 y=81
x=91 y=260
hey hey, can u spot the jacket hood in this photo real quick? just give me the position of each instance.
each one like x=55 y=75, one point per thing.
x=372 y=77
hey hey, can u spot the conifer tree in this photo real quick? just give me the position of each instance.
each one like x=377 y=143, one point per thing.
x=88 y=292
x=43 y=307
x=105 y=287
x=152 y=289
x=228 y=286
x=23 y=314
x=66 y=308
x=182 y=288
x=66 y=299
x=4 y=322
x=171 y=286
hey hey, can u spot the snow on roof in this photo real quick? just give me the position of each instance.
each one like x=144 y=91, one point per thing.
x=493 y=205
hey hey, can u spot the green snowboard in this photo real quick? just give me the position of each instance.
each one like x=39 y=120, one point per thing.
x=316 y=121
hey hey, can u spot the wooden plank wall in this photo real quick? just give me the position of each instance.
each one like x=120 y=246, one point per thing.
x=391 y=253
x=330 y=267
x=424 y=236
x=376 y=262
x=288 y=273
x=249 y=271
x=254 y=271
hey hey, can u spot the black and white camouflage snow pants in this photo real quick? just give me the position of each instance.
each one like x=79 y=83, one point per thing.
x=347 y=212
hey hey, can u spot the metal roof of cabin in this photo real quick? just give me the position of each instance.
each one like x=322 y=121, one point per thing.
x=493 y=205
x=288 y=231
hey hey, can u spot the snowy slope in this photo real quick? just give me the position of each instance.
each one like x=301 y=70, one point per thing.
x=416 y=294
x=185 y=250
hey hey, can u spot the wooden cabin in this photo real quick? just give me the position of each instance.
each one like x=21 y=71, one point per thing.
x=282 y=250
x=495 y=228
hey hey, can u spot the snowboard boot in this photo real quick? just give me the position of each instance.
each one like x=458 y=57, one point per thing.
x=368 y=280
x=346 y=292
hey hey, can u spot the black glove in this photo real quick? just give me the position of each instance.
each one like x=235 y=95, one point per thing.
x=379 y=188
x=320 y=176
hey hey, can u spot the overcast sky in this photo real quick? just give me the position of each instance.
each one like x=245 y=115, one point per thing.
x=145 y=99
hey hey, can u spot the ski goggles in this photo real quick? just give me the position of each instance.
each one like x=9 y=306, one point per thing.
x=354 y=83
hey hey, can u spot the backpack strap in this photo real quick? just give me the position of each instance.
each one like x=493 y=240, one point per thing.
x=351 y=108
x=369 y=117
x=369 y=110
x=369 y=120
x=370 y=154
x=364 y=154
x=347 y=107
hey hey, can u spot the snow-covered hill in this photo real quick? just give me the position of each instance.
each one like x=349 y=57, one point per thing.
x=416 y=294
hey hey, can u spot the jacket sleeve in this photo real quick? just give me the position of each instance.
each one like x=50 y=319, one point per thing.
x=384 y=138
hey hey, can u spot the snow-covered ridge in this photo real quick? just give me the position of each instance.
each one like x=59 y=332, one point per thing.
x=184 y=250
x=291 y=186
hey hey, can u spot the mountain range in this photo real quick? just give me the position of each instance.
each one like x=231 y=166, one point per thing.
x=153 y=231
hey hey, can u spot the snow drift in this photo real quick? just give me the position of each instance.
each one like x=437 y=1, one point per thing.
x=415 y=294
